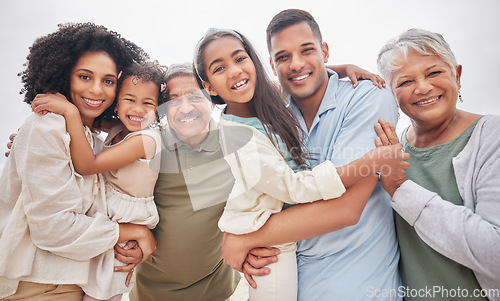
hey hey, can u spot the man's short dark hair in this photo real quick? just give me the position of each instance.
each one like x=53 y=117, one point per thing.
x=289 y=17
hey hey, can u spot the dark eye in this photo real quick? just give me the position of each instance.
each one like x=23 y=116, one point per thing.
x=241 y=59
x=218 y=69
x=406 y=82
x=307 y=50
x=281 y=58
x=84 y=77
x=109 y=82
x=434 y=73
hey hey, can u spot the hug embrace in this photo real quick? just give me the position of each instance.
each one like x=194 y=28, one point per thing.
x=316 y=196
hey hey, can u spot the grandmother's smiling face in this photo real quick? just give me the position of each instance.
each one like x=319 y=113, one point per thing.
x=426 y=87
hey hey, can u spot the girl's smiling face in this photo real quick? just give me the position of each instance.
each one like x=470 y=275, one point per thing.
x=137 y=102
x=93 y=85
x=231 y=74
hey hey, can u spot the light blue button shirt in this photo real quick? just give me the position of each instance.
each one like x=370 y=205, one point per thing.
x=358 y=262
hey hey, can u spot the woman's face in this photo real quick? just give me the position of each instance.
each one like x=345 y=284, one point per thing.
x=426 y=88
x=93 y=85
x=137 y=102
x=230 y=71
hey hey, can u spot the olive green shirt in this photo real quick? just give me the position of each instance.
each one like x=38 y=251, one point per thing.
x=190 y=194
x=425 y=273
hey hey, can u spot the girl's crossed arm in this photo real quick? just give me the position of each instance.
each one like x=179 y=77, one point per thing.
x=82 y=155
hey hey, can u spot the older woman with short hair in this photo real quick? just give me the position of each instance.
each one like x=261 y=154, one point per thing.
x=448 y=209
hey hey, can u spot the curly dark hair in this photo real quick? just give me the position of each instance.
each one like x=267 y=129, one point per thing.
x=52 y=57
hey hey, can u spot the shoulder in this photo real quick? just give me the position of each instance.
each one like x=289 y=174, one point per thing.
x=49 y=125
x=487 y=129
x=364 y=93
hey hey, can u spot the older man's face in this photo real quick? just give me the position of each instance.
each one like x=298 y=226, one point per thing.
x=188 y=110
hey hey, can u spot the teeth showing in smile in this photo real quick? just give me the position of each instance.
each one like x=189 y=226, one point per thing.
x=93 y=102
x=136 y=119
x=188 y=119
x=239 y=84
x=427 y=101
x=300 y=77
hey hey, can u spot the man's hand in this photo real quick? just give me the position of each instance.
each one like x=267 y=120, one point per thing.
x=256 y=262
x=10 y=143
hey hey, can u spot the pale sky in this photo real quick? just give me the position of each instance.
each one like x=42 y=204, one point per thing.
x=168 y=31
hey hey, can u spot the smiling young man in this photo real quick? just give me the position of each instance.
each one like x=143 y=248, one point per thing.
x=356 y=261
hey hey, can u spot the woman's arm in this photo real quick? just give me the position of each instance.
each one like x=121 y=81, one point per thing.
x=56 y=203
x=82 y=155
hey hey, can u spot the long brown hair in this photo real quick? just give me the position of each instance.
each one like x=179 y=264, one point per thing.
x=267 y=102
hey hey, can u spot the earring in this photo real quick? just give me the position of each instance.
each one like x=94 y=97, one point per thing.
x=460 y=96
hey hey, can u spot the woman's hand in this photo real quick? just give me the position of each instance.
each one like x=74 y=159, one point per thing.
x=141 y=234
x=386 y=133
x=55 y=103
x=387 y=136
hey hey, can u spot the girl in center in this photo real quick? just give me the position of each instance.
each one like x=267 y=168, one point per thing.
x=130 y=162
x=262 y=144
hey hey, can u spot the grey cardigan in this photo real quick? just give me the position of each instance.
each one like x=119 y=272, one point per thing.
x=468 y=234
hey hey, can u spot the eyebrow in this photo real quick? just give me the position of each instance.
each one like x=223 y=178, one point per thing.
x=219 y=59
x=90 y=71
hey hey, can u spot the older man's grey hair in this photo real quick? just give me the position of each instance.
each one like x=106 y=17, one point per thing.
x=175 y=70
x=419 y=40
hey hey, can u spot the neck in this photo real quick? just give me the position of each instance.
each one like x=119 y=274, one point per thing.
x=423 y=135
x=309 y=105
x=196 y=140
x=244 y=110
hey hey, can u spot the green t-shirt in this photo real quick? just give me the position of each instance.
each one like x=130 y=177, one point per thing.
x=425 y=273
x=190 y=195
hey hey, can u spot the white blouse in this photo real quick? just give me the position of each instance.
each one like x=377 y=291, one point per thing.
x=52 y=220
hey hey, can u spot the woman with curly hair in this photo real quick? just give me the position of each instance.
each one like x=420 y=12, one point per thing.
x=129 y=163
x=53 y=220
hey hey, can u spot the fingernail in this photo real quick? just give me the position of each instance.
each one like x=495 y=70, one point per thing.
x=267 y=271
x=275 y=259
x=116 y=269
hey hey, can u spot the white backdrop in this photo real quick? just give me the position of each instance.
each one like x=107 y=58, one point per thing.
x=168 y=31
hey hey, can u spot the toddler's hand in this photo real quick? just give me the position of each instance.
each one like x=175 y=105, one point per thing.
x=55 y=103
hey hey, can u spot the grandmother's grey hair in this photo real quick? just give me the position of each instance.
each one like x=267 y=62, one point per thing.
x=422 y=41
